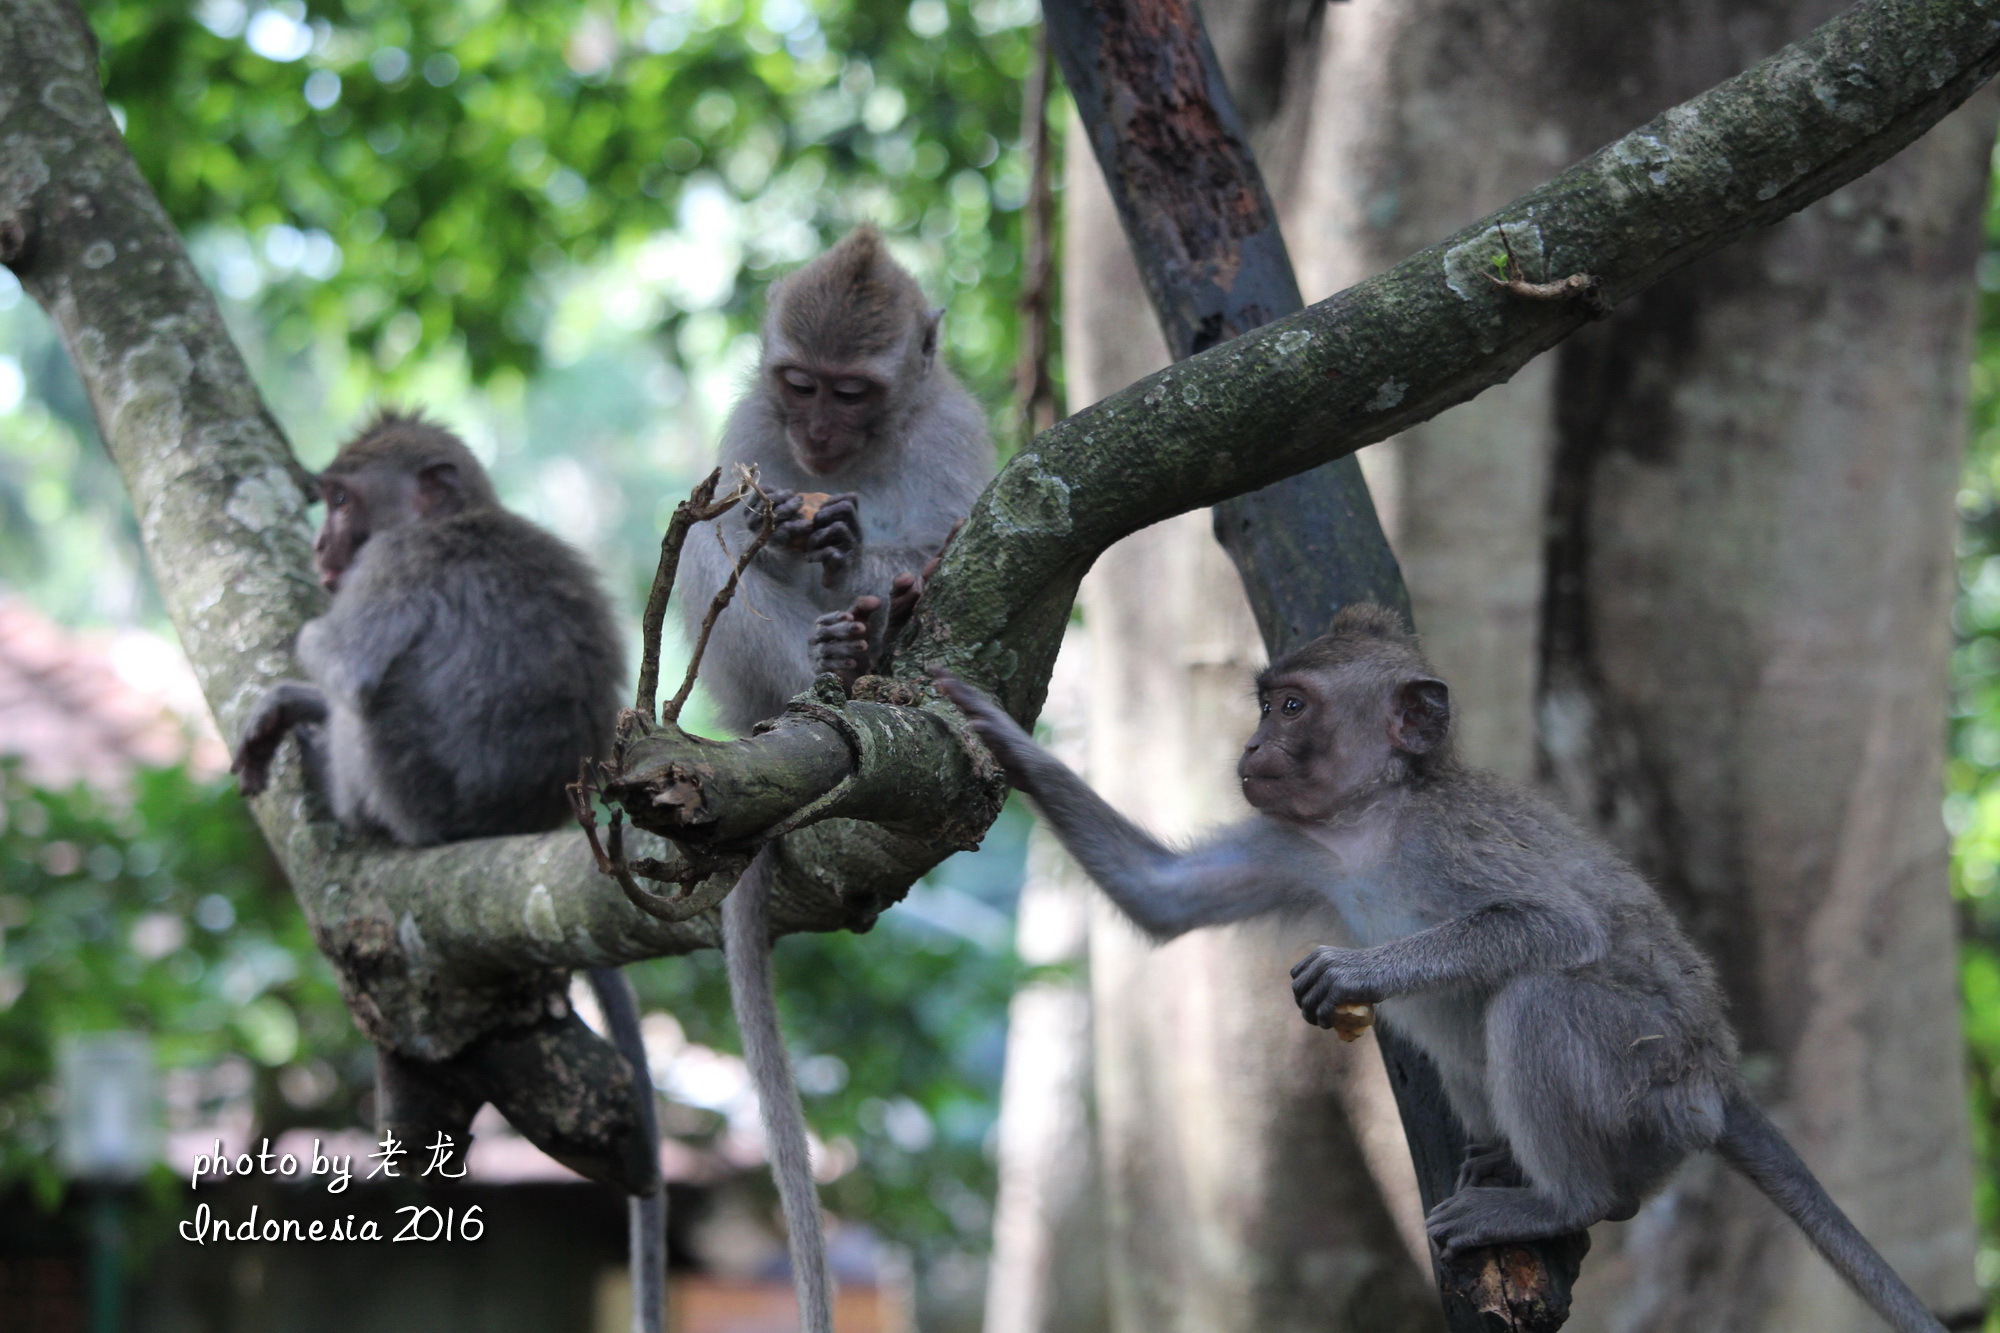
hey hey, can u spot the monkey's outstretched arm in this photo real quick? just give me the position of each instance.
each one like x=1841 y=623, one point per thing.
x=1166 y=893
x=1479 y=949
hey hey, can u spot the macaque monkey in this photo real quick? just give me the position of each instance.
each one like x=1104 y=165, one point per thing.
x=1579 y=1034
x=468 y=664
x=871 y=454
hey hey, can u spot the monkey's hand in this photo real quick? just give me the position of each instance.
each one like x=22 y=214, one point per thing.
x=826 y=529
x=839 y=642
x=835 y=538
x=1013 y=747
x=1328 y=979
x=908 y=589
x=287 y=704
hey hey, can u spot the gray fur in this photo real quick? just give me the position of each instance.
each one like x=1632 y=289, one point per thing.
x=917 y=482
x=470 y=664
x=746 y=930
x=1579 y=1034
x=926 y=458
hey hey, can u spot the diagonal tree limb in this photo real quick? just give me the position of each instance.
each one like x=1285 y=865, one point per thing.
x=222 y=512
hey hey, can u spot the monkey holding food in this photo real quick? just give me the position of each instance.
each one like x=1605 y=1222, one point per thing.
x=1580 y=1036
x=870 y=454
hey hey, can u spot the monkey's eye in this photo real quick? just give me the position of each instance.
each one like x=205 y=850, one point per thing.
x=851 y=391
x=336 y=498
x=800 y=383
x=1293 y=706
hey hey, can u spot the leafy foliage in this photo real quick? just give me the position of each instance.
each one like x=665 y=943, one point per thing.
x=424 y=174
x=1972 y=806
x=167 y=915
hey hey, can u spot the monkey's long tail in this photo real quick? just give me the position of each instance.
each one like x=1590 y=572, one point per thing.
x=746 y=942
x=1753 y=1145
x=646 y=1214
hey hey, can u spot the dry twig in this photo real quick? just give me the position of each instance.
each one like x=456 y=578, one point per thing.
x=700 y=507
x=746 y=486
x=1586 y=289
x=689 y=901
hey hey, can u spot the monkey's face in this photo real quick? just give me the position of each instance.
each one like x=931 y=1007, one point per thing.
x=1329 y=738
x=830 y=413
x=1305 y=757
x=357 y=505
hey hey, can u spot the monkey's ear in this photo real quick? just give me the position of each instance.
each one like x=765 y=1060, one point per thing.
x=1419 y=715
x=439 y=489
x=931 y=322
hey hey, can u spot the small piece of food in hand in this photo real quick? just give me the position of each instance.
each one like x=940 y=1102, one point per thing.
x=800 y=524
x=1351 y=1020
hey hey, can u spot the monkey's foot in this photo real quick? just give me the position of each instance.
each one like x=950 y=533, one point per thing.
x=1485 y=1215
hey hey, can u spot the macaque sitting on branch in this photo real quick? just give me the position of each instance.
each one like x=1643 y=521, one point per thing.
x=869 y=455
x=1579 y=1034
x=871 y=452
x=468 y=664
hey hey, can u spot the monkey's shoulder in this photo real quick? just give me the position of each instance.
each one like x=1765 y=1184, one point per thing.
x=1483 y=831
x=491 y=544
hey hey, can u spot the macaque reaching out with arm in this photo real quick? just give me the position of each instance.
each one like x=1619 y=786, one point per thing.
x=1579 y=1035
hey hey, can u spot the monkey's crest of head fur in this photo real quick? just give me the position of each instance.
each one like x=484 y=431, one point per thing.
x=1364 y=632
x=408 y=442
x=854 y=302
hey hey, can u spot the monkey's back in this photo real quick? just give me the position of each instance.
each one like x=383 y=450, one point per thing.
x=511 y=681
x=1502 y=840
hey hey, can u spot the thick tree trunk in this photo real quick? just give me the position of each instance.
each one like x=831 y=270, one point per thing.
x=1388 y=167
x=1752 y=581
x=1238 y=1193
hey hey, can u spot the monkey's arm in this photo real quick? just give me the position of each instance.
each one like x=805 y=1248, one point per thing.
x=1231 y=876
x=286 y=705
x=1480 y=949
x=381 y=609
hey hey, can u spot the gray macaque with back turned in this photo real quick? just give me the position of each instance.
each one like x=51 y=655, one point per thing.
x=871 y=455
x=1579 y=1034
x=468 y=665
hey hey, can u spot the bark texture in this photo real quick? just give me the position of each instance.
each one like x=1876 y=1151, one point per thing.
x=1751 y=577
x=1388 y=167
x=1238 y=1194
